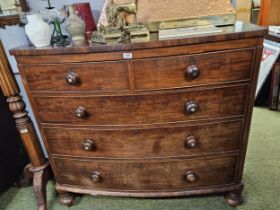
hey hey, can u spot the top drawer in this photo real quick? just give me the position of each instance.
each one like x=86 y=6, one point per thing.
x=103 y=77
x=186 y=71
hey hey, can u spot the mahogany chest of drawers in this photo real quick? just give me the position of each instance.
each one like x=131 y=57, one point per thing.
x=156 y=119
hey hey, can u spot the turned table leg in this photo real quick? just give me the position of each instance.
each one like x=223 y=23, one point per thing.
x=40 y=179
x=26 y=177
x=39 y=165
x=234 y=198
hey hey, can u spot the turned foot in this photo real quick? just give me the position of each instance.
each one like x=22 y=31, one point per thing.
x=234 y=198
x=66 y=199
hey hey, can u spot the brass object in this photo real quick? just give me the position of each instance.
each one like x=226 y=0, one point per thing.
x=117 y=13
x=167 y=14
x=139 y=33
x=121 y=25
x=107 y=35
x=216 y=20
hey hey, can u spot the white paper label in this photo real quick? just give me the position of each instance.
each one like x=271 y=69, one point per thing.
x=127 y=56
x=23 y=130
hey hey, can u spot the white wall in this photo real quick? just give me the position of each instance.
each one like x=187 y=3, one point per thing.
x=14 y=36
x=39 y=4
x=96 y=5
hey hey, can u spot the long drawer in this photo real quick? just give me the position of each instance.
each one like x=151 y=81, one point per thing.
x=193 y=70
x=165 y=107
x=178 y=140
x=99 y=77
x=146 y=175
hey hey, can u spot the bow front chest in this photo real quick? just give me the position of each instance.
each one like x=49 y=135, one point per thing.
x=155 y=119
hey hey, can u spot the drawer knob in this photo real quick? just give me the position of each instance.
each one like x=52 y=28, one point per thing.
x=191 y=107
x=191 y=142
x=190 y=176
x=72 y=78
x=81 y=112
x=96 y=177
x=89 y=145
x=192 y=72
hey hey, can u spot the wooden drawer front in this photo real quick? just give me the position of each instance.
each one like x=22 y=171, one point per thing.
x=139 y=143
x=143 y=109
x=146 y=174
x=214 y=68
x=106 y=76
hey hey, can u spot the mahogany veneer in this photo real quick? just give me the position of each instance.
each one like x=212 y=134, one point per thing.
x=171 y=120
x=187 y=140
x=147 y=175
x=143 y=109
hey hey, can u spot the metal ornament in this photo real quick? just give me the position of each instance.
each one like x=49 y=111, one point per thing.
x=122 y=25
x=170 y=14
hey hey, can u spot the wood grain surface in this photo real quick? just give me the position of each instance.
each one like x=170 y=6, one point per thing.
x=170 y=72
x=147 y=175
x=167 y=140
x=91 y=76
x=143 y=109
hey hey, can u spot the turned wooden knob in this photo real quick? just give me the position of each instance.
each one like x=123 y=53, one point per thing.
x=81 y=112
x=191 y=107
x=191 y=142
x=190 y=176
x=192 y=72
x=72 y=78
x=96 y=177
x=89 y=145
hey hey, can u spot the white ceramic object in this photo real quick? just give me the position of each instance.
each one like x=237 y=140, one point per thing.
x=38 y=31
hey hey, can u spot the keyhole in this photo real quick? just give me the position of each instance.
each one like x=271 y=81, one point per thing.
x=192 y=61
x=140 y=165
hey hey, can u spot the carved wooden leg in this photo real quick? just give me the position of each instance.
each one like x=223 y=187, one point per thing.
x=234 y=198
x=39 y=185
x=25 y=128
x=66 y=198
x=39 y=165
x=26 y=178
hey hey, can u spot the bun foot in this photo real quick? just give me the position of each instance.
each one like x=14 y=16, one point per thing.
x=42 y=207
x=66 y=199
x=233 y=199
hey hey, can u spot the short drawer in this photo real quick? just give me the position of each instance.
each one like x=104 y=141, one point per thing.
x=106 y=76
x=146 y=175
x=178 y=140
x=186 y=71
x=183 y=105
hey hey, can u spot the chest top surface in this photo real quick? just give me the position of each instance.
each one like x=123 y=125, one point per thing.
x=238 y=31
